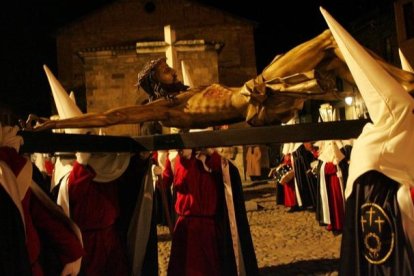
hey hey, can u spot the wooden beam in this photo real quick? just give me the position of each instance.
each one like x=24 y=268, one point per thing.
x=50 y=142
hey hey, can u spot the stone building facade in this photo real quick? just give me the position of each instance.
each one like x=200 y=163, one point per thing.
x=98 y=56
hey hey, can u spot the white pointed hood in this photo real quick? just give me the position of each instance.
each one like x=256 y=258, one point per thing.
x=291 y=147
x=187 y=80
x=405 y=65
x=329 y=150
x=72 y=96
x=66 y=106
x=386 y=145
x=108 y=166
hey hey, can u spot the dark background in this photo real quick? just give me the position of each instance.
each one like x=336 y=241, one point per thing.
x=28 y=27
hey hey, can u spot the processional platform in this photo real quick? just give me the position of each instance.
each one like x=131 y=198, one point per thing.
x=48 y=142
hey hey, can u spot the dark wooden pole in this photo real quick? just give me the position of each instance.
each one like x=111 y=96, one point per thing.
x=48 y=142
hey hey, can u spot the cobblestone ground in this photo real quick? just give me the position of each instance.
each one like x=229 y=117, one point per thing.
x=285 y=243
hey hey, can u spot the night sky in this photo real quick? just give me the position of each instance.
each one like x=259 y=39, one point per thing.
x=28 y=28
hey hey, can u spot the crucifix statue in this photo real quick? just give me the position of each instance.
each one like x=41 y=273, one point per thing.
x=308 y=71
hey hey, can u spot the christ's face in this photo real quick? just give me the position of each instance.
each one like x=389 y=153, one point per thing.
x=165 y=74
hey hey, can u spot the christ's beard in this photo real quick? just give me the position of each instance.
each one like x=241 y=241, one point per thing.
x=174 y=88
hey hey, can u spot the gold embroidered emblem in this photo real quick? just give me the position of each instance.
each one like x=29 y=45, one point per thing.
x=377 y=233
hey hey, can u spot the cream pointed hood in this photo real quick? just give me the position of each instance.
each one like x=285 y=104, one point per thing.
x=405 y=65
x=187 y=80
x=386 y=145
x=66 y=106
x=108 y=166
x=288 y=148
x=72 y=97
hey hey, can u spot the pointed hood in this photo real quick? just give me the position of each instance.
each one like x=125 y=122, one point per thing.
x=72 y=96
x=66 y=107
x=108 y=166
x=329 y=150
x=405 y=65
x=386 y=145
x=328 y=113
x=291 y=147
x=187 y=80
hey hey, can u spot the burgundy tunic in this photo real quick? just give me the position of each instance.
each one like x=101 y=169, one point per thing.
x=195 y=248
x=412 y=194
x=289 y=187
x=94 y=207
x=335 y=197
x=38 y=218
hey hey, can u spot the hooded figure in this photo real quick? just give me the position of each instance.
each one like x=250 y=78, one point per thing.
x=109 y=195
x=210 y=208
x=330 y=200
x=378 y=235
x=30 y=220
x=292 y=196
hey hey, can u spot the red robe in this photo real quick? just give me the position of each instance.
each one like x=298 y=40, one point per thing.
x=195 y=248
x=49 y=166
x=95 y=208
x=38 y=218
x=412 y=194
x=335 y=196
x=289 y=188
